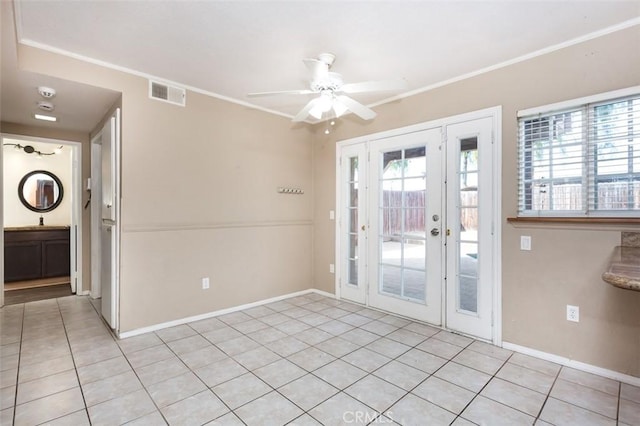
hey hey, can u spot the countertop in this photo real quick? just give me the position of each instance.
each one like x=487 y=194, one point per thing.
x=36 y=228
x=624 y=268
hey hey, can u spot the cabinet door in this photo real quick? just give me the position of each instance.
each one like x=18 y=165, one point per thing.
x=22 y=260
x=55 y=258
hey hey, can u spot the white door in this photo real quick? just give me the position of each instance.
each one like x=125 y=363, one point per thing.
x=405 y=240
x=110 y=227
x=470 y=257
x=353 y=189
x=416 y=233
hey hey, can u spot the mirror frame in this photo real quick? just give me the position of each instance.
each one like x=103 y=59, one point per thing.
x=26 y=203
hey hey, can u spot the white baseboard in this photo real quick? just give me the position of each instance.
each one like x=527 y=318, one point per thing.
x=621 y=377
x=181 y=321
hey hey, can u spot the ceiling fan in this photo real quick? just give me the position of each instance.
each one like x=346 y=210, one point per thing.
x=333 y=92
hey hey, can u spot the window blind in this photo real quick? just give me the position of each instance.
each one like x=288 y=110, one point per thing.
x=581 y=161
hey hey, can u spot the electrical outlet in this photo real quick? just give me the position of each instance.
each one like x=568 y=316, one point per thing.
x=573 y=313
x=205 y=283
x=332 y=268
x=525 y=242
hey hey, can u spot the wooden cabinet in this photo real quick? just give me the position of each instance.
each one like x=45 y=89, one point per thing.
x=33 y=253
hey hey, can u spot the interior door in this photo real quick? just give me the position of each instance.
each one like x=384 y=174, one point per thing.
x=469 y=254
x=109 y=226
x=405 y=234
x=353 y=219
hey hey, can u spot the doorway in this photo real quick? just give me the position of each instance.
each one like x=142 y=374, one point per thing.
x=416 y=232
x=42 y=219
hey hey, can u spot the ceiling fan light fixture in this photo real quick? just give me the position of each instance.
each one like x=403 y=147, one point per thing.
x=323 y=104
x=339 y=109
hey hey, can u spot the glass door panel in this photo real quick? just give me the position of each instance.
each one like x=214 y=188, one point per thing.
x=468 y=235
x=353 y=216
x=405 y=196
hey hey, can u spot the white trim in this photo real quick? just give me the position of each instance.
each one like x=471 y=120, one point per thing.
x=186 y=320
x=76 y=219
x=497 y=226
x=96 y=215
x=621 y=377
x=337 y=225
x=575 y=103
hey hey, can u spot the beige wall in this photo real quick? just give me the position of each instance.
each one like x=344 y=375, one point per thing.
x=71 y=136
x=16 y=164
x=565 y=264
x=199 y=199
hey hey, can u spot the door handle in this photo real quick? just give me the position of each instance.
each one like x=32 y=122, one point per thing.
x=362 y=227
x=435 y=232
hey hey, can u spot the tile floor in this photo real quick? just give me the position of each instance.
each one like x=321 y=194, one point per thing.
x=307 y=360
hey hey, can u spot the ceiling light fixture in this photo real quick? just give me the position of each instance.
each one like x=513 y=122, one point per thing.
x=45 y=117
x=30 y=150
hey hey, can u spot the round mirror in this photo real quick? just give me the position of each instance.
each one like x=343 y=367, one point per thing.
x=40 y=191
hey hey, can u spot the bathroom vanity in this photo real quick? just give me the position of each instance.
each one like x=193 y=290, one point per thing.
x=36 y=252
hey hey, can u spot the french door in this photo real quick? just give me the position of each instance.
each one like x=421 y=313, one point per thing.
x=469 y=249
x=405 y=244
x=415 y=225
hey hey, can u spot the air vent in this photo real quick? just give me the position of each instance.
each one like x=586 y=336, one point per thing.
x=163 y=92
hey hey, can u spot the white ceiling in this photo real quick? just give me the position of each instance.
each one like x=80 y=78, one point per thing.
x=232 y=48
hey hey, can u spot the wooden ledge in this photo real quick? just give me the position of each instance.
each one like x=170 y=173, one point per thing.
x=578 y=220
x=584 y=223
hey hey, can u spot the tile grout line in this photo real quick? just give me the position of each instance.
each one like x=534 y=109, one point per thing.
x=15 y=397
x=75 y=367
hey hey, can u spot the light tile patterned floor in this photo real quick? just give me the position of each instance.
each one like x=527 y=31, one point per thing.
x=306 y=360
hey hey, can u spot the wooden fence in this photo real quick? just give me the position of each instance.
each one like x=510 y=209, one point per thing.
x=415 y=213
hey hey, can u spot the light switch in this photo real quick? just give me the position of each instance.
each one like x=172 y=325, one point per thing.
x=332 y=214
x=525 y=242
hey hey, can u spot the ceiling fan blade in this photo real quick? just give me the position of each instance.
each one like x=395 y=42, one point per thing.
x=319 y=69
x=356 y=107
x=282 y=92
x=304 y=112
x=375 y=86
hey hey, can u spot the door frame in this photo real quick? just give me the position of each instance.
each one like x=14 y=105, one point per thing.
x=75 y=241
x=97 y=213
x=495 y=113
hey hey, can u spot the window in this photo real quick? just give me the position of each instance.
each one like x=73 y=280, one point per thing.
x=581 y=160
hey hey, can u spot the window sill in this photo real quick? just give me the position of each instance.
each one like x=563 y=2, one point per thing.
x=590 y=223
